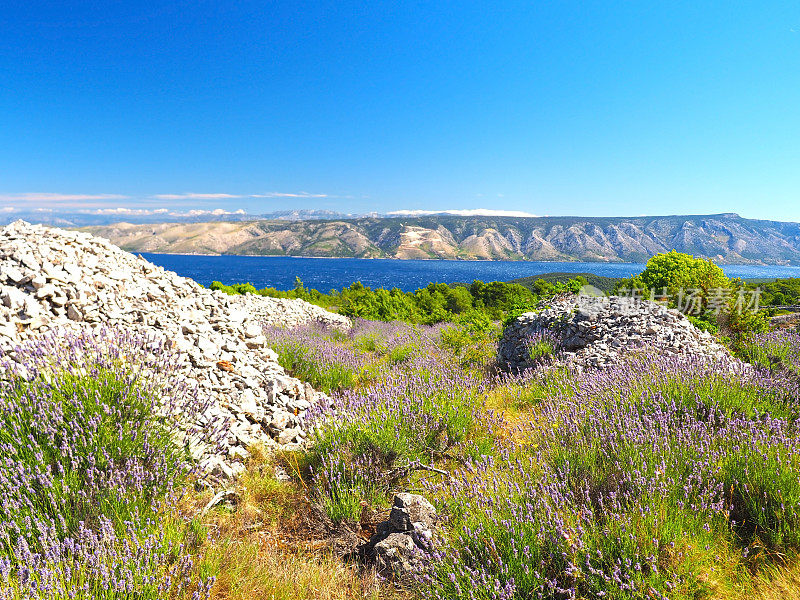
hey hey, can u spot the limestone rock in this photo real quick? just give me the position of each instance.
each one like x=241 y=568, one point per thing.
x=52 y=278
x=592 y=332
x=401 y=543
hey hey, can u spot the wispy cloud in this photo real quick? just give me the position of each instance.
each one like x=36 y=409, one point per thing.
x=145 y=212
x=217 y=212
x=29 y=197
x=126 y=211
x=288 y=195
x=195 y=196
x=468 y=212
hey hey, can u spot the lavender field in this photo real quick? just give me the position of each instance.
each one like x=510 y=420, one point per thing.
x=659 y=478
x=662 y=477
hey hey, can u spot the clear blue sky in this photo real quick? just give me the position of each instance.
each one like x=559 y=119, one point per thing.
x=587 y=108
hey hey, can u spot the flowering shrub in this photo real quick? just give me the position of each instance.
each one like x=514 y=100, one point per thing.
x=775 y=350
x=365 y=442
x=409 y=398
x=87 y=453
x=657 y=478
x=333 y=360
x=542 y=346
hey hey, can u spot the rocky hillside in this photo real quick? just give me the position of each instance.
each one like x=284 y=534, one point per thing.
x=727 y=238
x=56 y=280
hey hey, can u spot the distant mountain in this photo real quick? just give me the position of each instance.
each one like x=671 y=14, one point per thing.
x=143 y=216
x=727 y=238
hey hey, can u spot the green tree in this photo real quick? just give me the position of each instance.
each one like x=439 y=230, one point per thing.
x=673 y=271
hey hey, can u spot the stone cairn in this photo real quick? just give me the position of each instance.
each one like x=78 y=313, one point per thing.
x=399 y=546
x=592 y=332
x=55 y=279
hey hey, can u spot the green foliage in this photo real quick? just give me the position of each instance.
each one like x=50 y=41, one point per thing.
x=703 y=323
x=781 y=292
x=533 y=283
x=745 y=322
x=698 y=287
x=472 y=340
x=673 y=271
x=541 y=349
x=435 y=303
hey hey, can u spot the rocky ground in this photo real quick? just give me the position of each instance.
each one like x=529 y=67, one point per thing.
x=593 y=332
x=51 y=278
x=789 y=321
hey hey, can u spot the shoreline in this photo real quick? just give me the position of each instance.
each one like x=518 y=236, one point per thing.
x=455 y=260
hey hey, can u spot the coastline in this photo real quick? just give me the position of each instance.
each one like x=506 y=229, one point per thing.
x=456 y=260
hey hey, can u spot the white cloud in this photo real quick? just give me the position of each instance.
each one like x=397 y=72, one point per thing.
x=194 y=196
x=143 y=212
x=121 y=211
x=58 y=198
x=468 y=212
x=288 y=195
x=7 y=209
x=217 y=212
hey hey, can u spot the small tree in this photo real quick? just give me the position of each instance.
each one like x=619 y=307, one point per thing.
x=671 y=272
x=698 y=287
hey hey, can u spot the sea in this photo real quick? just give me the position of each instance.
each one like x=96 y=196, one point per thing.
x=325 y=274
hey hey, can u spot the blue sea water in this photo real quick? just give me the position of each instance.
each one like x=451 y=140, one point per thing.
x=325 y=274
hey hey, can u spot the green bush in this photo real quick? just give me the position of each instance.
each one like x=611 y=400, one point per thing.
x=699 y=288
x=435 y=303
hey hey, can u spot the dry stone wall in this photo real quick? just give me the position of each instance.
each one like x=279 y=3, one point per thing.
x=52 y=278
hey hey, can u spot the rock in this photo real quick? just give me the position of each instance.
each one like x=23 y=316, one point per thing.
x=597 y=332
x=51 y=278
x=409 y=509
x=397 y=555
x=13 y=298
x=400 y=544
x=252 y=330
x=287 y=436
x=13 y=275
x=280 y=420
x=225 y=366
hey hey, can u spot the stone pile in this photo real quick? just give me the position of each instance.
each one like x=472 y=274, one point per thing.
x=52 y=278
x=592 y=332
x=399 y=545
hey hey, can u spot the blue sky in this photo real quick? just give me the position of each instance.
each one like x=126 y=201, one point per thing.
x=551 y=108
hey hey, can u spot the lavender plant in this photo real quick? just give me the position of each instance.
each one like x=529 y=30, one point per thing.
x=334 y=360
x=661 y=478
x=409 y=402
x=775 y=350
x=542 y=346
x=87 y=424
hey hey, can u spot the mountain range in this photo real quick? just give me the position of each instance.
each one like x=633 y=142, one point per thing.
x=726 y=238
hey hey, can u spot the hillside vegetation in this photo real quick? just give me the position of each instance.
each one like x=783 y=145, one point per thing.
x=662 y=476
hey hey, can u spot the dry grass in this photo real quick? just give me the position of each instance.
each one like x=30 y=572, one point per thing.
x=783 y=584
x=269 y=545
x=248 y=569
